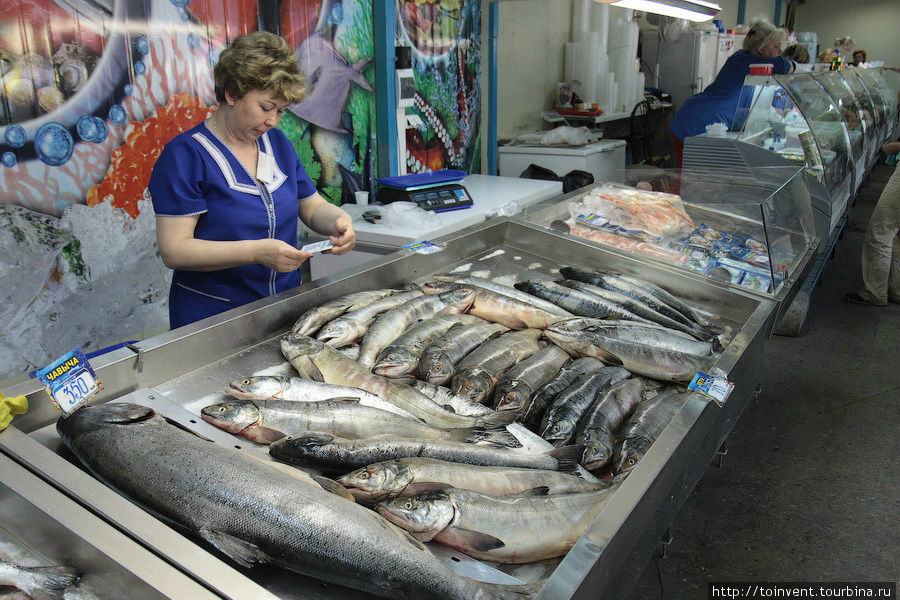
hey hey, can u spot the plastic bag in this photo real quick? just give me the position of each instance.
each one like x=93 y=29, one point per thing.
x=657 y=213
x=576 y=179
x=571 y=136
x=538 y=172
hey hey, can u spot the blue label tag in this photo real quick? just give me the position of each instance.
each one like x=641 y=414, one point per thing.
x=424 y=247
x=714 y=387
x=593 y=220
x=69 y=380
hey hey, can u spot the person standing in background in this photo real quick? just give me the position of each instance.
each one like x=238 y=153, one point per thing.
x=859 y=57
x=881 y=247
x=797 y=53
x=720 y=101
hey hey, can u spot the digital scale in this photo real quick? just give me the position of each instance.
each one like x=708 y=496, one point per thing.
x=439 y=191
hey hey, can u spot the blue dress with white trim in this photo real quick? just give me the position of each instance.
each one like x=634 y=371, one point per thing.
x=197 y=174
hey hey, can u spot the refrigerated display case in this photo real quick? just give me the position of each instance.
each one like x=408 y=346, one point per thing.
x=176 y=372
x=859 y=127
x=871 y=111
x=751 y=232
x=883 y=86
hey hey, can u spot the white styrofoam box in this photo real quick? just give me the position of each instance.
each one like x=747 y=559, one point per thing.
x=601 y=159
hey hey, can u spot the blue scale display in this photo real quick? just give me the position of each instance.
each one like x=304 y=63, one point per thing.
x=439 y=191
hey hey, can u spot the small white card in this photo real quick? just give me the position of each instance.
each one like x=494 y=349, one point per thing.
x=265 y=168
x=318 y=246
x=425 y=247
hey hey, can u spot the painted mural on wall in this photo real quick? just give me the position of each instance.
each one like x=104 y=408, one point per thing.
x=90 y=92
x=445 y=36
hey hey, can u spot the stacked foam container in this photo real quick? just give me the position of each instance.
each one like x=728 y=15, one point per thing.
x=603 y=56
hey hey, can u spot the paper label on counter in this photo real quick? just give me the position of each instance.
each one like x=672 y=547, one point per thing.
x=318 y=246
x=69 y=380
x=425 y=247
x=714 y=387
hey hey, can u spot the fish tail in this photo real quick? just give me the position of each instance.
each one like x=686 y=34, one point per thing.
x=57 y=578
x=567 y=457
x=493 y=436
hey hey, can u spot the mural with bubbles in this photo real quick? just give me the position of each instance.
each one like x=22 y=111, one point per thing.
x=91 y=91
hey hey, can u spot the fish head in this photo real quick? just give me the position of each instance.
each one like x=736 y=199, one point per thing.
x=338 y=332
x=597 y=452
x=439 y=370
x=378 y=481
x=233 y=417
x=558 y=432
x=438 y=287
x=424 y=515
x=473 y=384
x=513 y=397
x=628 y=454
x=257 y=388
x=301 y=350
x=458 y=300
x=100 y=416
x=395 y=363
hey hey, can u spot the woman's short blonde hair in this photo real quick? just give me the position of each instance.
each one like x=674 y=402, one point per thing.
x=797 y=53
x=762 y=32
x=259 y=61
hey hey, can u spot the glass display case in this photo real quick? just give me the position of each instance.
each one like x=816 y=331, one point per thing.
x=754 y=232
x=871 y=110
x=851 y=116
x=885 y=93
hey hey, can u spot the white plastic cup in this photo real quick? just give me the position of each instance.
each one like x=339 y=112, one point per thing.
x=362 y=198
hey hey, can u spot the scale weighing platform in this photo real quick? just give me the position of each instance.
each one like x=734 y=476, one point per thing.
x=440 y=191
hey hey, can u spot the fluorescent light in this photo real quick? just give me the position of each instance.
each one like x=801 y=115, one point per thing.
x=692 y=10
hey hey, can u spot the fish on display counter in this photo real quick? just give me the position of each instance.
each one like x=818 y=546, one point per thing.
x=315 y=360
x=416 y=475
x=520 y=382
x=38 y=582
x=266 y=421
x=577 y=302
x=561 y=419
x=478 y=372
x=255 y=513
x=491 y=527
x=392 y=323
x=533 y=411
x=401 y=357
x=330 y=453
x=352 y=326
x=504 y=290
x=603 y=420
x=444 y=397
x=298 y=389
x=642 y=348
x=439 y=359
x=649 y=419
x=310 y=321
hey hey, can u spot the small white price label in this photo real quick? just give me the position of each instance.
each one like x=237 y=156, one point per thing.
x=74 y=392
x=714 y=387
x=424 y=247
x=318 y=246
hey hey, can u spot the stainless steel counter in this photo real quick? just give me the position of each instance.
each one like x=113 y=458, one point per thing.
x=181 y=371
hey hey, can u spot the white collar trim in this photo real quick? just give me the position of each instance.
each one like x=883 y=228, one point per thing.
x=228 y=173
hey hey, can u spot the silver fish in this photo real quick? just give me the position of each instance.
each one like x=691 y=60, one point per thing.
x=401 y=356
x=504 y=290
x=415 y=475
x=310 y=321
x=331 y=453
x=439 y=359
x=478 y=373
x=644 y=349
x=444 y=397
x=520 y=382
x=649 y=419
x=317 y=361
x=38 y=582
x=255 y=513
x=266 y=421
x=533 y=411
x=297 y=389
x=352 y=326
x=561 y=419
x=603 y=420
x=391 y=324
x=491 y=527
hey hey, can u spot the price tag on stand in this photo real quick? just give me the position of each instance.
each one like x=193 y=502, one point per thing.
x=714 y=387
x=425 y=247
x=69 y=380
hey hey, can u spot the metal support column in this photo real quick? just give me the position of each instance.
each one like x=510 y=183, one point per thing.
x=385 y=25
x=742 y=11
x=493 y=32
x=778 y=20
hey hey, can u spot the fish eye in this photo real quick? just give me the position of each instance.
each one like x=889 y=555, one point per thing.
x=631 y=461
x=246 y=382
x=408 y=504
x=364 y=475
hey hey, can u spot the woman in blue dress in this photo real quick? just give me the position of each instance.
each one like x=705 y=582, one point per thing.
x=226 y=192
x=719 y=102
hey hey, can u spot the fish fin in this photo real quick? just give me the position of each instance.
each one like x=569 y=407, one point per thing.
x=448 y=408
x=497 y=419
x=346 y=399
x=56 y=578
x=459 y=538
x=330 y=485
x=514 y=322
x=506 y=591
x=261 y=434
x=541 y=490
x=242 y=552
x=495 y=436
x=424 y=486
x=567 y=457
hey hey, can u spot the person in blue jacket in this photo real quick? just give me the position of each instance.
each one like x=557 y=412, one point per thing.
x=719 y=102
x=227 y=192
